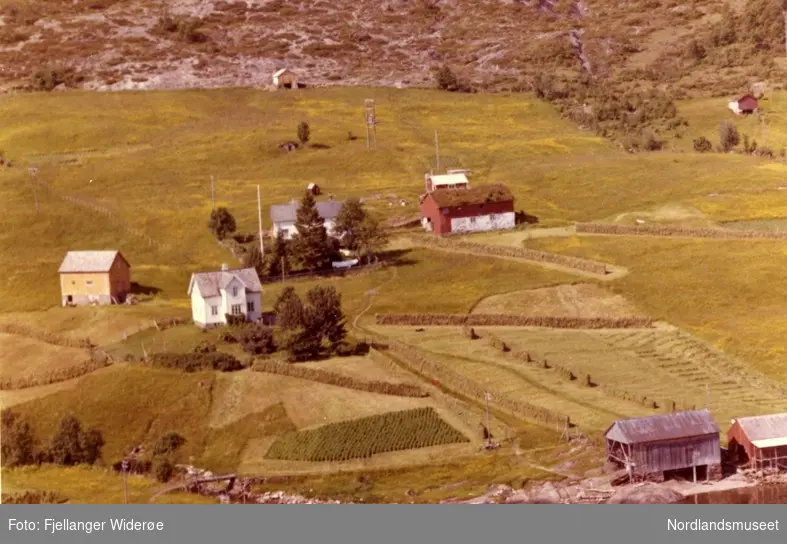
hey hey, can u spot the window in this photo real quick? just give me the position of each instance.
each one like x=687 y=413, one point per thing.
x=214 y=310
x=249 y=306
x=237 y=309
x=492 y=217
x=472 y=220
x=88 y=282
x=234 y=291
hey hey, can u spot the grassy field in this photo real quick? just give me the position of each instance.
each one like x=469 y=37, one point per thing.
x=662 y=365
x=162 y=147
x=580 y=300
x=86 y=485
x=726 y=292
x=25 y=357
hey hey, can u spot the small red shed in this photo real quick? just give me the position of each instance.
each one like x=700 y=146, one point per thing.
x=486 y=207
x=759 y=441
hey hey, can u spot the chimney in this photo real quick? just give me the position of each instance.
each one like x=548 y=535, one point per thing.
x=225 y=266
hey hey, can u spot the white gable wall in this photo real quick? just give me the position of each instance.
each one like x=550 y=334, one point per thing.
x=198 y=306
x=231 y=298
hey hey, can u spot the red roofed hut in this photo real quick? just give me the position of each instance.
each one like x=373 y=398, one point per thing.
x=486 y=207
x=759 y=442
x=662 y=445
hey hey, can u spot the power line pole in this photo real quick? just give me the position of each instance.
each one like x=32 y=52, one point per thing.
x=487 y=395
x=34 y=173
x=437 y=152
x=259 y=217
x=212 y=195
x=124 y=468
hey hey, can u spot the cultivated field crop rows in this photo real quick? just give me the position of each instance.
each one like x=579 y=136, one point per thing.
x=361 y=438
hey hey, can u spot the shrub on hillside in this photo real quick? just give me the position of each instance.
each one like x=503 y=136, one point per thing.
x=221 y=223
x=702 y=145
x=228 y=337
x=71 y=445
x=18 y=442
x=194 y=362
x=257 y=340
x=352 y=348
x=33 y=497
x=235 y=320
x=728 y=136
x=168 y=443
x=164 y=470
x=205 y=347
x=46 y=79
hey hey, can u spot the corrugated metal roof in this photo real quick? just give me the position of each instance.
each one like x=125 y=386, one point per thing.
x=89 y=261
x=210 y=283
x=285 y=213
x=448 y=179
x=483 y=194
x=770 y=443
x=662 y=427
x=764 y=427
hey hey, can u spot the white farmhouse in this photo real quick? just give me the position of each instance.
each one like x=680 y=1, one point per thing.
x=228 y=291
x=283 y=216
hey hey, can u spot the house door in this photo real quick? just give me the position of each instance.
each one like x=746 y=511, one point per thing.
x=70 y=299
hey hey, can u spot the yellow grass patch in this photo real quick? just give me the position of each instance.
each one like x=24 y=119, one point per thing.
x=580 y=300
x=24 y=357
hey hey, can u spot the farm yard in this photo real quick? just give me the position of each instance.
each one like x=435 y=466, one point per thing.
x=136 y=169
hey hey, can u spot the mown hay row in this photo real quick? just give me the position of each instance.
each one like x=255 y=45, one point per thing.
x=467 y=387
x=504 y=320
x=54 y=376
x=669 y=230
x=497 y=342
x=43 y=336
x=332 y=378
x=569 y=375
x=576 y=263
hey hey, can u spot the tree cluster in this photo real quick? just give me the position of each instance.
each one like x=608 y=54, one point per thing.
x=70 y=445
x=312 y=329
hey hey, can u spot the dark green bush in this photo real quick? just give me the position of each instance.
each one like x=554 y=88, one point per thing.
x=168 y=443
x=164 y=471
x=194 y=362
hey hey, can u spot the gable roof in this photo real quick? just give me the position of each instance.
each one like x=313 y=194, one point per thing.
x=765 y=427
x=90 y=261
x=448 y=179
x=210 y=283
x=282 y=71
x=662 y=427
x=483 y=194
x=747 y=97
x=286 y=213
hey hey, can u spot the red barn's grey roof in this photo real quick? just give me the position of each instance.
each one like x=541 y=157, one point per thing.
x=210 y=283
x=764 y=427
x=89 y=261
x=662 y=427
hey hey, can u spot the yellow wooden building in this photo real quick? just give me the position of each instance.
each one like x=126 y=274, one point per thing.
x=94 y=277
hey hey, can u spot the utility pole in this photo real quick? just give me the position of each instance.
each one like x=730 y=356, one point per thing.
x=437 y=152
x=212 y=195
x=487 y=396
x=282 y=269
x=762 y=118
x=34 y=173
x=259 y=216
x=124 y=468
x=707 y=396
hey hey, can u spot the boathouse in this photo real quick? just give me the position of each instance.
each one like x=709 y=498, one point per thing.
x=758 y=442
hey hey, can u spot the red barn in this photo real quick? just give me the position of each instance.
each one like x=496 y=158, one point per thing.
x=759 y=442
x=745 y=105
x=487 y=207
